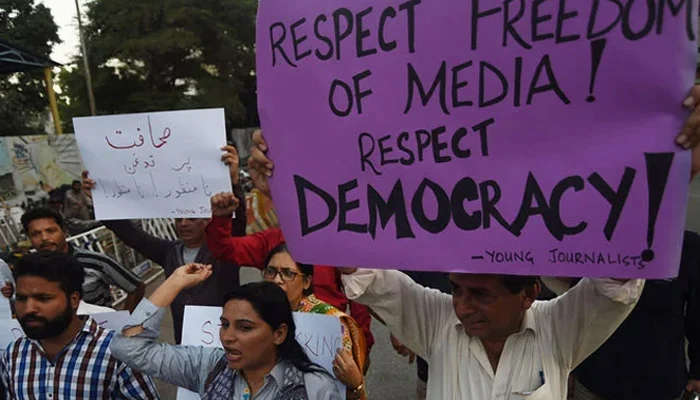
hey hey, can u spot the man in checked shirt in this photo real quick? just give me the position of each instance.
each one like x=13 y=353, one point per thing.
x=63 y=356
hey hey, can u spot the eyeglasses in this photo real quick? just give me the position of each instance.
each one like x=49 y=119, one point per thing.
x=287 y=274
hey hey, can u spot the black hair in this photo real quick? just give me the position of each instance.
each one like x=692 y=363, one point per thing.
x=272 y=305
x=517 y=283
x=54 y=266
x=306 y=269
x=75 y=181
x=41 y=213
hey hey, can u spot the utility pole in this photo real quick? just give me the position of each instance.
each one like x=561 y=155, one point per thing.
x=88 y=77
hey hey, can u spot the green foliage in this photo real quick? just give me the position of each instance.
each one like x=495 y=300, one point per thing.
x=23 y=99
x=149 y=55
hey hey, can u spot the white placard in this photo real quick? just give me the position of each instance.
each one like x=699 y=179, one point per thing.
x=6 y=278
x=319 y=335
x=5 y=308
x=154 y=165
x=112 y=321
x=10 y=329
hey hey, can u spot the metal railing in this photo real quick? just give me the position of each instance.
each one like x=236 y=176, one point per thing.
x=103 y=240
x=10 y=232
x=160 y=227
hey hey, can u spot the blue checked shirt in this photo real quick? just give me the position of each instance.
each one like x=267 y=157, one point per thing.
x=85 y=369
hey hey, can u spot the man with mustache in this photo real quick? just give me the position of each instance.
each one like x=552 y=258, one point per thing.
x=63 y=356
x=491 y=339
x=8 y=291
x=46 y=231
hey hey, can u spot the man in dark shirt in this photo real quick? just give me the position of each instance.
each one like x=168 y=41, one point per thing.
x=645 y=359
x=191 y=247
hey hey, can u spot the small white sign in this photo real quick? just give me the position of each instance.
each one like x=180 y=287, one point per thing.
x=10 y=330
x=112 y=321
x=154 y=165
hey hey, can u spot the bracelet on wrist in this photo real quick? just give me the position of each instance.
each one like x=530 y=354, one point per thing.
x=358 y=390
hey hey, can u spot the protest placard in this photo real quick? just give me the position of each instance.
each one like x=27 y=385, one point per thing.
x=10 y=329
x=6 y=278
x=5 y=308
x=112 y=321
x=150 y=165
x=518 y=137
x=319 y=335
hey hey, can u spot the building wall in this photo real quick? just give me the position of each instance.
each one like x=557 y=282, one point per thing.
x=36 y=164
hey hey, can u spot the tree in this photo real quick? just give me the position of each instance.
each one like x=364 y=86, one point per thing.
x=23 y=99
x=167 y=55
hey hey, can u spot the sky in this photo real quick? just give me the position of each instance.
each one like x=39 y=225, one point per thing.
x=64 y=15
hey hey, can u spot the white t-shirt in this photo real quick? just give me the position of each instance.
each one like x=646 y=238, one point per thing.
x=189 y=254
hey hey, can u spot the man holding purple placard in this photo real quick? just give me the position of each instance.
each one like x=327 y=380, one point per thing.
x=491 y=338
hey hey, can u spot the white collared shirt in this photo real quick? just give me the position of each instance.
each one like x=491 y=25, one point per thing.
x=535 y=363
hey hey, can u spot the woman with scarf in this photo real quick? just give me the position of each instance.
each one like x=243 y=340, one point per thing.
x=296 y=281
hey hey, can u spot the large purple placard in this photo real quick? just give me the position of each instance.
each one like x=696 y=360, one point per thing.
x=519 y=137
